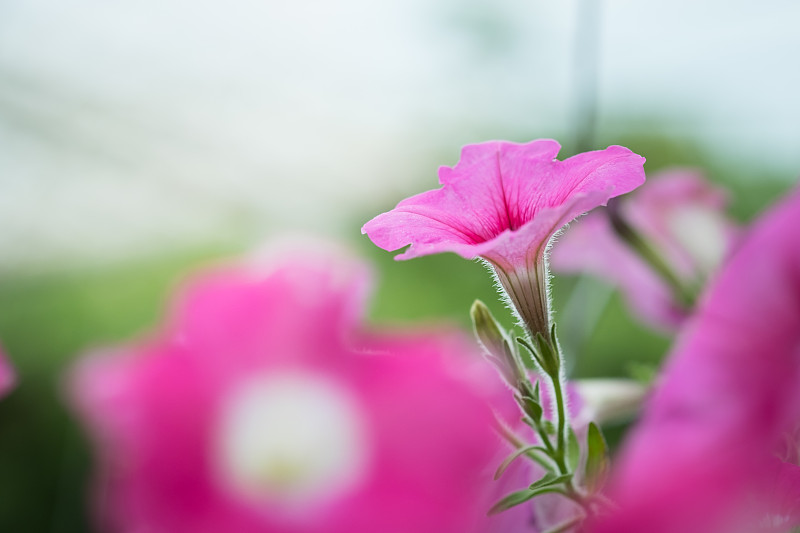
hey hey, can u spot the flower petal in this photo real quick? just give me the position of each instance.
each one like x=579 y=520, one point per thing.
x=503 y=200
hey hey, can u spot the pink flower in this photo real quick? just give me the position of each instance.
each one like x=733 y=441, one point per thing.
x=682 y=216
x=706 y=456
x=262 y=406
x=8 y=377
x=503 y=202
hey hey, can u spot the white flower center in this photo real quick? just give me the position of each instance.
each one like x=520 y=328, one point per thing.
x=291 y=439
x=701 y=232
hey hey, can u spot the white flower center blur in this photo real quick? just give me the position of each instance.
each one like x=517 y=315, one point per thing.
x=701 y=232
x=291 y=439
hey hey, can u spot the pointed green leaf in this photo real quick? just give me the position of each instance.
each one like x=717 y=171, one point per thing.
x=516 y=498
x=553 y=336
x=531 y=350
x=549 y=480
x=510 y=459
x=546 y=355
x=531 y=407
x=573 y=451
x=596 y=458
x=515 y=364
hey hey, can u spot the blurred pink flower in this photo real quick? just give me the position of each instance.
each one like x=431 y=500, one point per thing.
x=503 y=202
x=8 y=377
x=262 y=406
x=682 y=216
x=707 y=454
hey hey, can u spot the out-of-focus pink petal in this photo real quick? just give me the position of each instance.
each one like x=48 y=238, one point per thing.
x=157 y=410
x=700 y=459
x=682 y=216
x=590 y=246
x=8 y=377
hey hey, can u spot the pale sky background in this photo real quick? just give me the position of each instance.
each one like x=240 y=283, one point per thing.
x=130 y=128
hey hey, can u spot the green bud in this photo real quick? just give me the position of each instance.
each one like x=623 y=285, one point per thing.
x=487 y=330
x=494 y=340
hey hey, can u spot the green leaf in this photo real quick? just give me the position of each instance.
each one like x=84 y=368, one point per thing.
x=548 y=427
x=644 y=373
x=531 y=350
x=531 y=407
x=573 y=451
x=544 y=352
x=549 y=480
x=515 y=365
x=510 y=459
x=596 y=459
x=516 y=498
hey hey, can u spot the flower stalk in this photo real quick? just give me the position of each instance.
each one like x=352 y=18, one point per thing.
x=554 y=450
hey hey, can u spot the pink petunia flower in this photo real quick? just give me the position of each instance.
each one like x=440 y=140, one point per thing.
x=503 y=202
x=262 y=406
x=8 y=377
x=682 y=216
x=707 y=456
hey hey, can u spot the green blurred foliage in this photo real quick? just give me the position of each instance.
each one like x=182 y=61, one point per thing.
x=46 y=321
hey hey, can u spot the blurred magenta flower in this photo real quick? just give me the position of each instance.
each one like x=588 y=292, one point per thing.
x=715 y=448
x=503 y=202
x=7 y=375
x=262 y=406
x=681 y=215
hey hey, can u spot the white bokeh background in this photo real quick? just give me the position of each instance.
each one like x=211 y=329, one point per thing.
x=133 y=128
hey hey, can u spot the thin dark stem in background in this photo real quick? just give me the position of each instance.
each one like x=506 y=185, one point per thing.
x=585 y=69
x=588 y=299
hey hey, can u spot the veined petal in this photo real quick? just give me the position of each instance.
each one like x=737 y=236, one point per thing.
x=504 y=199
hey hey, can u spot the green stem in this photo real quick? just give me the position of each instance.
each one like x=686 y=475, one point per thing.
x=517 y=442
x=561 y=442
